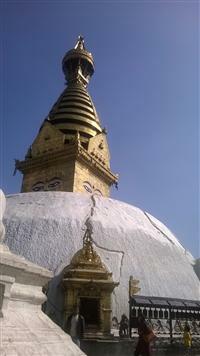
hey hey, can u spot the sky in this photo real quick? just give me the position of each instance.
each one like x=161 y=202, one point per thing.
x=145 y=90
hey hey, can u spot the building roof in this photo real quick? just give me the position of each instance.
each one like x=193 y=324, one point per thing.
x=158 y=302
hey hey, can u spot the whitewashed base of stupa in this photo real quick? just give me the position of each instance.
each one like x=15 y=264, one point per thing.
x=24 y=329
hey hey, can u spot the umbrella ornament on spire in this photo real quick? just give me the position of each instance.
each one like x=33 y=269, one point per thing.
x=78 y=64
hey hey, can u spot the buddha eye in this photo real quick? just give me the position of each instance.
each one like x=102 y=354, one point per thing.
x=53 y=185
x=55 y=182
x=87 y=187
x=38 y=187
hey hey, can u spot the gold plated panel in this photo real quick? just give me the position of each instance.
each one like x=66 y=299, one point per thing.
x=76 y=98
x=76 y=127
x=77 y=111
x=74 y=90
x=67 y=117
x=70 y=102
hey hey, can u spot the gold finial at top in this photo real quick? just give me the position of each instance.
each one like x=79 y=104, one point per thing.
x=80 y=43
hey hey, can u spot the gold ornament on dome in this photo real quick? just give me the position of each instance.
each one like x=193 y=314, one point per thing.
x=87 y=257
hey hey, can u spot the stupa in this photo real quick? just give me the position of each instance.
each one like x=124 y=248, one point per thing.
x=66 y=183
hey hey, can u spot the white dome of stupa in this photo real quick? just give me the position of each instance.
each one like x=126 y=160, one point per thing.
x=47 y=228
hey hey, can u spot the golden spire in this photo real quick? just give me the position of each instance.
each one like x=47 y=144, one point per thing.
x=74 y=110
x=71 y=137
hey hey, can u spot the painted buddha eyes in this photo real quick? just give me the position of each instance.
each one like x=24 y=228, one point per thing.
x=39 y=186
x=87 y=187
x=91 y=189
x=51 y=185
x=54 y=183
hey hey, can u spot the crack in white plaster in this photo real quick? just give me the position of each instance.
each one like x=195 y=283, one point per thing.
x=154 y=225
x=163 y=233
x=88 y=224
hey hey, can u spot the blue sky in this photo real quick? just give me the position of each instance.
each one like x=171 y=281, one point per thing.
x=145 y=89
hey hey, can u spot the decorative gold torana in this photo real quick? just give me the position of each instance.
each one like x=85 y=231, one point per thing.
x=86 y=280
x=70 y=152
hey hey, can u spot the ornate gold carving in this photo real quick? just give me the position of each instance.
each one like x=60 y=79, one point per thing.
x=87 y=277
x=87 y=257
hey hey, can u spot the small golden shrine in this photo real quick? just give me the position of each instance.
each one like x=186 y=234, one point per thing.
x=89 y=285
